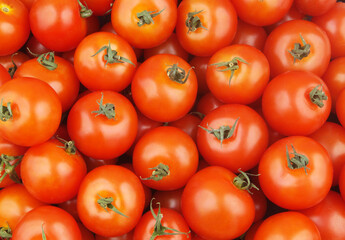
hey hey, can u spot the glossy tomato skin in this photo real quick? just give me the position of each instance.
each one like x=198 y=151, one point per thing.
x=314 y=8
x=299 y=188
x=289 y=226
x=97 y=136
x=329 y=216
x=48 y=22
x=54 y=221
x=15 y=29
x=34 y=123
x=244 y=148
x=207 y=103
x=189 y=124
x=332 y=137
x=48 y=182
x=207 y=207
x=126 y=190
x=156 y=95
x=332 y=22
x=171 y=219
x=218 y=17
x=125 y=21
x=248 y=81
x=63 y=79
x=93 y=70
x=15 y=202
x=287 y=106
x=99 y=7
x=251 y=35
x=200 y=67
x=169 y=146
x=282 y=40
x=169 y=199
x=260 y=13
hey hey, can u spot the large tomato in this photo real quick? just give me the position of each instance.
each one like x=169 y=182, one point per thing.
x=58 y=24
x=298 y=45
x=164 y=88
x=105 y=61
x=205 y=26
x=30 y=111
x=238 y=74
x=144 y=23
x=233 y=136
x=295 y=172
x=214 y=207
x=110 y=201
x=47 y=222
x=15 y=28
x=165 y=158
x=102 y=124
x=296 y=103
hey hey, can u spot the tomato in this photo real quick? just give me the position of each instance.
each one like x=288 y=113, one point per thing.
x=261 y=13
x=105 y=61
x=333 y=22
x=28 y=3
x=214 y=207
x=100 y=119
x=251 y=35
x=245 y=137
x=250 y=234
x=289 y=226
x=164 y=88
x=99 y=7
x=314 y=8
x=70 y=206
x=332 y=137
x=34 y=48
x=329 y=216
x=170 y=46
x=238 y=74
x=334 y=78
x=92 y=25
x=4 y=75
x=200 y=67
x=28 y=118
x=47 y=221
x=85 y=234
x=169 y=199
x=15 y=202
x=61 y=76
x=144 y=23
x=110 y=201
x=49 y=20
x=165 y=158
x=189 y=124
x=11 y=62
x=11 y=156
x=296 y=172
x=260 y=203
x=207 y=103
x=127 y=236
x=159 y=223
x=205 y=26
x=296 y=103
x=48 y=182
x=298 y=45
x=92 y=163
x=15 y=28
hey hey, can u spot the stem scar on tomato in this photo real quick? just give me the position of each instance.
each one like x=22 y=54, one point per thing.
x=193 y=22
x=10 y=166
x=5 y=111
x=317 y=96
x=178 y=74
x=158 y=172
x=146 y=17
x=300 y=51
x=106 y=202
x=231 y=65
x=6 y=232
x=297 y=161
x=107 y=109
x=242 y=181
x=85 y=12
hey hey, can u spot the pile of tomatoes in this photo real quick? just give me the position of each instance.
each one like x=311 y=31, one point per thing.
x=166 y=119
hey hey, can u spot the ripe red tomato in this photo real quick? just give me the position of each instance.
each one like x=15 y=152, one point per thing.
x=207 y=103
x=251 y=35
x=50 y=20
x=332 y=137
x=100 y=119
x=164 y=88
x=295 y=173
x=144 y=23
x=245 y=137
x=314 y=7
x=288 y=226
x=70 y=206
x=15 y=202
x=165 y=158
x=28 y=118
x=298 y=45
x=329 y=216
x=11 y=62
x=333 y=23
x=15 y=28
x=169 y=199
x=99 y=7
x=61 y=77
x=33 y=47
x=110 y=200
x=238 y=74
x=261 y=13
x=48 y=221
x=189 y=124
x=105 y=61
x=205 y=26
x=214 y=207
x=296 y=103
x=4 y=75
x=85 y=233
x=48 y=182
x=200 y=67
